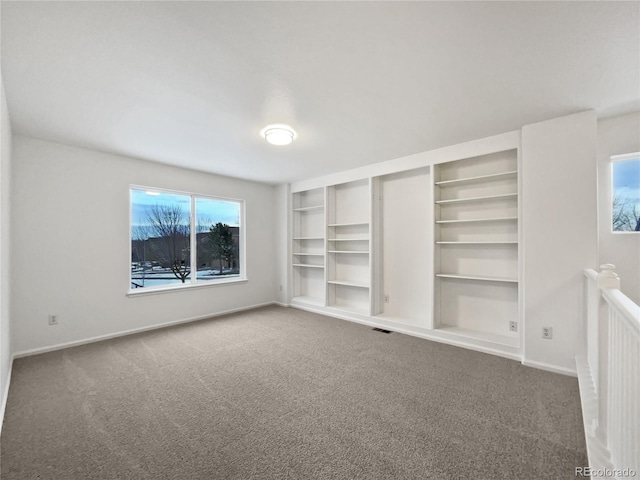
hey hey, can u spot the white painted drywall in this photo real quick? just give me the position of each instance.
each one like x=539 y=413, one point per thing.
x=617 y=136
x=281 y=283
x=5 y=265
x=560 y=232
x=406 y=215
x=70 y=245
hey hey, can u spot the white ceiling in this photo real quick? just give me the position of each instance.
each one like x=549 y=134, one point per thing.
x=192 y=83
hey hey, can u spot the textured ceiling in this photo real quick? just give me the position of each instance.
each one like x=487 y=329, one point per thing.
x=192 y=83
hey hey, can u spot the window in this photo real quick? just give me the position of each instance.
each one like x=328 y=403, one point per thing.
x=171 y=232
x=626 y=193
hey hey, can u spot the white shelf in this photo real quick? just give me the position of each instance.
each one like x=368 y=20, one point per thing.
x=478 y=335
x=481 y=278
x=309 y=209
x=477 y=199
x=347 y=240
x=476 y=243
x=476 y=220
x=308 y=255
x=347 y=224
x=349 y=283
x=350 y=251
x=477 y=179
x=308 y=300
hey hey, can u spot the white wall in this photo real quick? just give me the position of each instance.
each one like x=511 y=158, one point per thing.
x=405 y=217
x=70 y=242
x=5 y=177
x=617 y=136
x=281 y=283
x=559 y=194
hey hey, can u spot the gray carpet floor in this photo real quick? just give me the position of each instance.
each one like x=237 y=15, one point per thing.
x=278 y=393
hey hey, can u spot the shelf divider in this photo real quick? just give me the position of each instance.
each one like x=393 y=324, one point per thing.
x=349 y=283
x=477 y=199
x=309 y=209
x=479 y=178
x=482 y=278
x=476 y=243
x=479 y=220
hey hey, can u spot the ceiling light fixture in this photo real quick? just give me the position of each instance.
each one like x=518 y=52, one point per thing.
x=278 y=134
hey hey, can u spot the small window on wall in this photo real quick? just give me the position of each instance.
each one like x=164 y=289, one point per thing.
x=625 y=176
x=182 y=240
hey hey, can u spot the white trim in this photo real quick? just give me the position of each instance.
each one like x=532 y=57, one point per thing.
x=171 y=191
x=5 y=394
x=193 y=197
x=625 y=156
x=613 y=159
x=177 y=287
x=280 y=304
x=550 y=368
x=60 y=346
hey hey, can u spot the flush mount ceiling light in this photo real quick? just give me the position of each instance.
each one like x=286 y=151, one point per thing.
x=278 y=134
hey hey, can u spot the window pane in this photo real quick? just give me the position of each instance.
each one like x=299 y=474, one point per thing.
x=217 y=239
x=626 y=196
x=160 y=226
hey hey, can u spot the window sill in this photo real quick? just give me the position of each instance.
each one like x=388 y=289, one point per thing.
x=139 y=292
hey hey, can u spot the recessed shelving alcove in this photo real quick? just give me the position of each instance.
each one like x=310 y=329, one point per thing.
x=308 y=247
x=476 y=248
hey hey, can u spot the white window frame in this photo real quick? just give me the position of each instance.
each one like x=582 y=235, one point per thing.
x=614 y=159
x=193 y=280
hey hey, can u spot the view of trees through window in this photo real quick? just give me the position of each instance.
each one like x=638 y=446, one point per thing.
x=626 y=196
x=161 y=239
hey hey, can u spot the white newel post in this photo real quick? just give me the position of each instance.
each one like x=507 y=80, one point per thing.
x=607 y=278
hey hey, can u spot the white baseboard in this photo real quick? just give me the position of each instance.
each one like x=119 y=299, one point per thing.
x=99 y=338
x=280 y=304
x=408 y=330
x=550 y=368
x=5 y=394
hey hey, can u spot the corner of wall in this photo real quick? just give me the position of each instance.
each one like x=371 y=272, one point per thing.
x=6 y=357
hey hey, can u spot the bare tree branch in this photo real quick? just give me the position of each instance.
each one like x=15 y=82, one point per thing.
x=170 y=223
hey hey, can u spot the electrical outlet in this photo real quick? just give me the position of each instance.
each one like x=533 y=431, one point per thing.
x=53 y=319
x=513 y=326
x=386 y=299
x=547 y=332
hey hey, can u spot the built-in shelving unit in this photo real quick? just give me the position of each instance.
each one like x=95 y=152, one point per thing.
x=476 y=248
x=308 y=247
x=348 y=247
x=432 y=250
